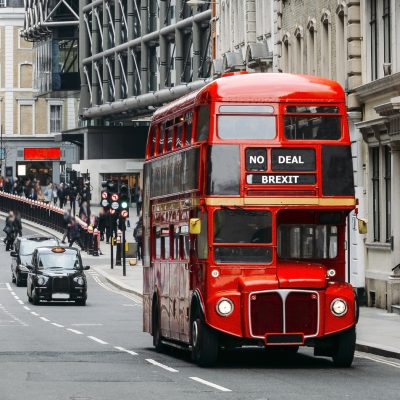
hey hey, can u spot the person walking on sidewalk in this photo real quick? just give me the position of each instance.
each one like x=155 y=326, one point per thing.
x=102 y=223
x=111 y=226
x=66 y=225
x=139 y=202
x=18 y=224
x=75 y=233
x=9 y=230
x=138 y=235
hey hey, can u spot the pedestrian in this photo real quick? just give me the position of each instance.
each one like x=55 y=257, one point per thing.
x=138 y=235
x=66 y=225
x=61 y=195
x=18 y=224
x=39 y=193
x=84 y=212
x=9 y=230
x=72 y=193
x=139 y=202
x=7 y=186
x=75 y=233
x=111 y=226
x=55 y=194
x=48 y=194
x=102 y=223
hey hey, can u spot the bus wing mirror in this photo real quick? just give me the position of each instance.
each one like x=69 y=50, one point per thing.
x=194 y=226
x=362 y=226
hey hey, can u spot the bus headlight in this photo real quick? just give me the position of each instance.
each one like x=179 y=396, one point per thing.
x=224 y=307
x=339 y=307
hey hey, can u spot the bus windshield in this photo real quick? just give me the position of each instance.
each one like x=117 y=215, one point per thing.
x=307 y=241
x=236 y=229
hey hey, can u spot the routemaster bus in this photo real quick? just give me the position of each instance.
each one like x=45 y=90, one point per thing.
x=247 y=185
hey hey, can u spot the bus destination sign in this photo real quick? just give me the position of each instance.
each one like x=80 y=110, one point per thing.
x=281 y=179
x=284 y=159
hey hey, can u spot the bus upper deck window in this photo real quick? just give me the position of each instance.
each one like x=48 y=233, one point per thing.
x=161 y=140
x=179 y=136
x=314 y=123
x=188 y=128
x=203 y=123
x=153 y=140
x=169 y=138
x=247 y=127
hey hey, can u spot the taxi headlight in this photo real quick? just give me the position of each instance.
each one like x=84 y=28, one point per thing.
x=339 y=307
x=224 y=307
x=41 y=280
x=79 y=280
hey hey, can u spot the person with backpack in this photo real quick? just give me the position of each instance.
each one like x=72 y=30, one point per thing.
x=138 y=235
x=9 y=230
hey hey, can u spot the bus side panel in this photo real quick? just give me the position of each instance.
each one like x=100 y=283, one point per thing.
x=148 y=288
x=184 y=302
x=174 y=299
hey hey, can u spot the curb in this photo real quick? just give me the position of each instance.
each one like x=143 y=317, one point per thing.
x=117 y=284
x=378 y=351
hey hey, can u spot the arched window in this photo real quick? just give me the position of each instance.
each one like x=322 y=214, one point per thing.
x=311 y=47
x=285 y=54
x=326 y=45
x=341 y=45
x=298 y=51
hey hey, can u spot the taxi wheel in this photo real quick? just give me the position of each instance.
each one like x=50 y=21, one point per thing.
x=18 y=280
x=35 y=299
x=12 y=277
x=344 y=348
x=204 y=344
x=80 y=302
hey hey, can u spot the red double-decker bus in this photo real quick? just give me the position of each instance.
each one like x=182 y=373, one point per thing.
x=247 y=185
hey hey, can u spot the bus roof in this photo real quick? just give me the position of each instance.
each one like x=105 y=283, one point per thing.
x=259 y=88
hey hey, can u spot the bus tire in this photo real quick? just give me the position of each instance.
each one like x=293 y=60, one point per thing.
x=344 y=348
x=204 y=344
x=156 y=328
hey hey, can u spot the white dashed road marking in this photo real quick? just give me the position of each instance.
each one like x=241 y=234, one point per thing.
x=213 y=385
x=9 y=287
x=75 y=331
x=132 y=353
x=34 y=313
x=97 y=340
x=57 y=325
x=151 y=361
x=27 y=308
x=20 y=302
x=44 y=319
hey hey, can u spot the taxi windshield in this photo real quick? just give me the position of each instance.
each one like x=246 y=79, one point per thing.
x=67 y=260
x=28 y=247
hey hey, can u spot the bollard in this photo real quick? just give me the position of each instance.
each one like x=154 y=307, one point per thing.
x=96 y=243
x=118 y=255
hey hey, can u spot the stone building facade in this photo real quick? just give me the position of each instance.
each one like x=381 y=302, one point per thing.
x=243 y=36
x=379 y=95
x=28 y=121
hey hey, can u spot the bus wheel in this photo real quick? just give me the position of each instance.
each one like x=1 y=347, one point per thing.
x=157 y=343
x=344 y=348
x=204 y=344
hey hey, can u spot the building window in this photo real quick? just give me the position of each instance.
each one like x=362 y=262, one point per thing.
x=325 y=46
x=341 y=49
x=387 y=42
x=311 y=50
x=3 y=3
x=388 y=193
x=298 y=34
x=285 y=54
x=55 y=118
x=375 y=194
x=374 y=40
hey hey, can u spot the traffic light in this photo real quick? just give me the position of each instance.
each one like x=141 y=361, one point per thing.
x=124 y=201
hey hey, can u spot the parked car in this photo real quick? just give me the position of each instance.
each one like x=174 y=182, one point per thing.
x=56 y=273
x=22 y=255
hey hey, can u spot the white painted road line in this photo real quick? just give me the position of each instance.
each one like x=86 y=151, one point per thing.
x=13 y=293
x=132 y=353
x=27 y=308
x=20 y=302
x=75 y=331
x=86 y=324
x=34 y=313
x=8 y=287
x=57 y=325
x=213 y=385
x=44 y=319
x=151 y=361
x=97 y=340
x=378 y=360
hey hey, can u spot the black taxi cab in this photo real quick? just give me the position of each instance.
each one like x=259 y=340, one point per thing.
x=56 y=274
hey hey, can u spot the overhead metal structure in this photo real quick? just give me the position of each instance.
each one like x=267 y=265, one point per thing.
x=138 y=54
